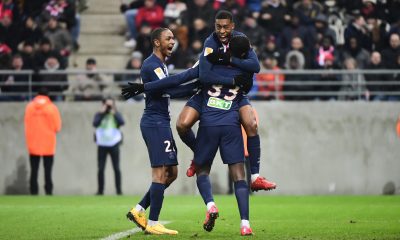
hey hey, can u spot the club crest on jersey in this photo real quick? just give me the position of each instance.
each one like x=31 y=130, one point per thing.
x=219 y=103
x=208 y=51
x=159 y=72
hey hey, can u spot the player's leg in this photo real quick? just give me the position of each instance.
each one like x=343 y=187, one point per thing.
x=207 y=143
x=232 y=153
x=160 y=145
x=248 y=120
x=187 y=118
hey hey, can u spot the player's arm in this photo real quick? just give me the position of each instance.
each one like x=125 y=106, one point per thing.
x=249 y=64
x=184 y=90
x=173 y=80
x=206 y=75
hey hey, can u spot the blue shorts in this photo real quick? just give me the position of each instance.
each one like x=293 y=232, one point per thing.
x=229 y=140
x=196 y=101
x=160 y=145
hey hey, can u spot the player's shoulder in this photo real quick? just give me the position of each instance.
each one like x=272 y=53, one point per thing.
x=151 y=63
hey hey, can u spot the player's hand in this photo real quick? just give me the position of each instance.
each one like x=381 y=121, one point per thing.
x=244 y=81
x=219 y=57
x=132 y=90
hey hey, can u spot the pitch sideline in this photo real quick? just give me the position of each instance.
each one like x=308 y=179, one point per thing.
x=120 y=235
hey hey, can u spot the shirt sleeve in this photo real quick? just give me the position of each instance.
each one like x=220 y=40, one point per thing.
x=172 y=81
x=249 y=64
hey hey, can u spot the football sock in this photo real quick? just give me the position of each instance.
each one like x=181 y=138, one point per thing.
x=204 y=186
x=253 y=147
x=151 y=223
x=139 y=208
x=157 y=197
x=189 y=139
x=242 y=198
x=245 y=223
x=145 y=202
x=210 y=204
x=254 y=177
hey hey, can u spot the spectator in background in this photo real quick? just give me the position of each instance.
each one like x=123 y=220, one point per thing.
x=272 y=50
x=143 y=40
x=355 y=51
x=389 y=55
x=273 y=17
x=330 y=64
x=33 y=8
x=54 y=82
x=353 y=85
x=5 y=55
x=62 y=10
x=9 y=32
x=270 y=85
x=89 y=86
x=15 y=86
x=151 y=13
x=324 y=50
x=130 y=11
x=308 y=10
x=135 y=63
x=295 y=29
x=45 y=50
x=199 y=30
x=254 y=32
x=378 y=31
x=31 y=32
x=201 y=9
x=174 y=12
x=376 y=64
x=322 y=29
x=28 y=55
x=357 y=28
x=60 y=40
x=294 y=82
x=297 y=44
x=42 y=123
x=108 y=137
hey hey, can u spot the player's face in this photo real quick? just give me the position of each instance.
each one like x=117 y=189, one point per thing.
x=167 y=42
x=224 y=28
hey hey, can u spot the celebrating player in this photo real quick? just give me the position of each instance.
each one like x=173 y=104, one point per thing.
x=156 y=132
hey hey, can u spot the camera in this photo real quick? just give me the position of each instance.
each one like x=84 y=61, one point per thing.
x=108 y=108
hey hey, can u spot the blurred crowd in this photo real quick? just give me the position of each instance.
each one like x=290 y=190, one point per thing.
x=286 y=34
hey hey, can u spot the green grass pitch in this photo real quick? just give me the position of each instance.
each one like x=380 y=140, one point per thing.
x=271 y=217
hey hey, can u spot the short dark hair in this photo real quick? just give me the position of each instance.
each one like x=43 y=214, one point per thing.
x=156 y=34
x=223 y=14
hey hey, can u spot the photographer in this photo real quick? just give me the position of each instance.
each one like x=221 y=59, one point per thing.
x=108 y=136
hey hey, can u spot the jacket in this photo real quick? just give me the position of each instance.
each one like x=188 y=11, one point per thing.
x=42 y=122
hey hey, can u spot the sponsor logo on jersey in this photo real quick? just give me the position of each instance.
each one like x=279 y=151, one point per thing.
x=219 y=103
x=159 y=72
x=208 y=51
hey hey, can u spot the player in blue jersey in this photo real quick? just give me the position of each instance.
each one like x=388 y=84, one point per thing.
x=217 y=49
x=157 y=134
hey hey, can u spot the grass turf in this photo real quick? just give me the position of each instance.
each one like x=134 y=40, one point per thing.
x=272 y=217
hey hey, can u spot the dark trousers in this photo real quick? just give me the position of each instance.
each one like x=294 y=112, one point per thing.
x=48 y=165
x=101 y=159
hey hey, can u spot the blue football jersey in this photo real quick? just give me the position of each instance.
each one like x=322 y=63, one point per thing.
x=156 y=112
x=221 y=103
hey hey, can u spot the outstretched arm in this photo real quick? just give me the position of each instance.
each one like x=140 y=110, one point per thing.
x=173 y=80
x=184 y=90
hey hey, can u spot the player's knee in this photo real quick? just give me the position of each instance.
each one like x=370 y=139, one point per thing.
x=182 y=126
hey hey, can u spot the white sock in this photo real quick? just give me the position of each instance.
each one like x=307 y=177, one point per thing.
x=254 y=177
x=210 y=204
x=139 y=208
x=245 y=223
x=152 y=223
